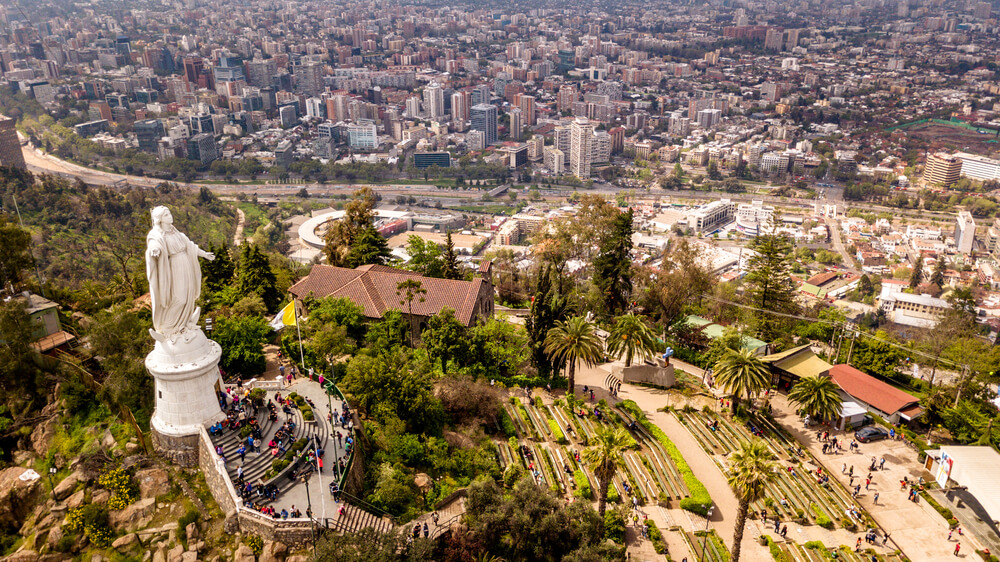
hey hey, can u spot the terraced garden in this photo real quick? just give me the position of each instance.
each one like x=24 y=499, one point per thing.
x=806 y=500
x=547 y=437
x=817 y=552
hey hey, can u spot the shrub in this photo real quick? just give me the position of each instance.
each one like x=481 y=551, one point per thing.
x=776 y=553
x=307 y=414
x=506 y=424
x=538 y=403
x=613 y=496
x=92 y=519
x=245 y=431
x=848 y=523
x=255 y=543
x=824 y=521
x=277 y=465
x=257 y=394
x=557 y=433
x=614 y=526
x=583 y=489
x=119 y=483
x=700 y=500
x=656 y=536
x=191 y=516
x=815 y=545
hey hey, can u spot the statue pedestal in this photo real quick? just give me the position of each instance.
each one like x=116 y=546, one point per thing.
x=186 y=375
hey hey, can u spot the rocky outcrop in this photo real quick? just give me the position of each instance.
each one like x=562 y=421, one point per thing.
x=68 y=484
x=135 y=516
x=17 y=497
x=152 y=482
x=273 y=552
x=41 y=436
x=245 y=554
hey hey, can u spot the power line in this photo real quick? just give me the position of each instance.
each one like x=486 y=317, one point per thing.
x=842 y=325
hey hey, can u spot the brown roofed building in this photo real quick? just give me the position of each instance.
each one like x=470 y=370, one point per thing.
x=374 y=288
x=876 y=396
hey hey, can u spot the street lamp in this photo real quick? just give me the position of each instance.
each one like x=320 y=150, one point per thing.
x=704 y=541
x=304 y=478
x=52 y=487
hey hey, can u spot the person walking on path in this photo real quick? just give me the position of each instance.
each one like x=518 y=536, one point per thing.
x=950 y=532
x=885 y=539
x=876 y=498
x=958 y=546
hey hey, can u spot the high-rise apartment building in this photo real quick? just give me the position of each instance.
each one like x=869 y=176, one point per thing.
x=566 y=97
x=484 y=118
x=460 y=107
x=516 y=123
x=527 y=105
x=309 y=78
x=965 y=232
x=148 y=132
x=582 y=135
x=433 y=101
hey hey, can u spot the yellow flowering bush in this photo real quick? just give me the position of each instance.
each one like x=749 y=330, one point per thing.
x=255 y=543
x=119 y=483
x=99 y=536
x=92 y=520
x=74 y=519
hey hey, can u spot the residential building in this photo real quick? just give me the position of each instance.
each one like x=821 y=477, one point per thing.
x=484 y=118
x=965 y=232
x=555 y=160
x=582 y=135
x=709 y=218
x=362 y=136
x=433 y=101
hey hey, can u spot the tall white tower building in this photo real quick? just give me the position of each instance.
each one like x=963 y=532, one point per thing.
x=581 y=138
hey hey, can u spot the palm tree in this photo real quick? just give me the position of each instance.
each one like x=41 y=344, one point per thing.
x=631 y=338
x=742 y=374
x=750 y=469
x=818 y=396
x=605 y=457
x=571 y=341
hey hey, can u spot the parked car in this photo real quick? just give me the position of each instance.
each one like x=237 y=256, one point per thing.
x=870 y=433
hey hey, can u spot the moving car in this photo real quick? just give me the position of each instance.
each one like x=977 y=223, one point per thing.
x=870 y=433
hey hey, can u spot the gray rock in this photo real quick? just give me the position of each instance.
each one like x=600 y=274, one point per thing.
x=23 y=556
x=135 y=516
x=175 y=554
x=66 y=487
x=76 y=500
x=160 y=555
x=17 y=497
x=189 y=556
x=41 y=436
x=108 y=440
x=131 y=448
x=125 y=541
x=273 y=552
x=245 y=554
x=192 y=532
x=152 y=482
x=55 y=535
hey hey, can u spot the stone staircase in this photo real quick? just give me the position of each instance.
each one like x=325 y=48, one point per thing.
x=256 y=465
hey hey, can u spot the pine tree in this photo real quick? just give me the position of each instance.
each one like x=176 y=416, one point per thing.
x=613 y=265
x=539 y=322
x=937 y=277
x=368 y=247
x=769 y=282
x=450 y=259
x=218 y=273
x=254 y=275
x=917 y=275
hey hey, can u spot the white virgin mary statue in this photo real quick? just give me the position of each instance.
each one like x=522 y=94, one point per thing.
x=174 y=276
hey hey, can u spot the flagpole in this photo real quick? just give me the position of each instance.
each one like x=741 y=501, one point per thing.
x=302 y=358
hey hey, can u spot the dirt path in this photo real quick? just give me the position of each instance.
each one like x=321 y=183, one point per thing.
x=238 y=236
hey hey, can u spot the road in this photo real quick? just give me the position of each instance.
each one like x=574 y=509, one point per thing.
x=838 y=243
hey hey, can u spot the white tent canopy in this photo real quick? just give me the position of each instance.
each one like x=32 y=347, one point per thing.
x=851 y=413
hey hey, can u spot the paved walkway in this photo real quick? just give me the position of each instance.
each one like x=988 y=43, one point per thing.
x=916 y=528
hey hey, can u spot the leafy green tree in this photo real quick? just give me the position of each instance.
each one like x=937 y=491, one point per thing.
x=751 y=467
x=876 y=357
x=713 y=172
x=383 y=337
x=20 y=378
x=917 y=273
x=818 y=396
x=392 y=384
x=370 y=545
x=666 y=292
x=445 y=337
x=742 y=374
x=408 y=291
x=340 y=237
x=119 y=339
x=631 y=338
x=242 y=339
x=254 y=275
x=541 y=319
x=573 y=341
x=15 y=254
x=425 y=257
x=613 y=265
x=497 y=348
x=769 y=283
x=341 y=311
x=605 y=457
x=450 y=265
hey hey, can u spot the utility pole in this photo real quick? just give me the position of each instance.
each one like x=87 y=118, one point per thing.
x=850 y=351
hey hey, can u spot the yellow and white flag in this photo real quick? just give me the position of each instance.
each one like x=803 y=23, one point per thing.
x=285 y=317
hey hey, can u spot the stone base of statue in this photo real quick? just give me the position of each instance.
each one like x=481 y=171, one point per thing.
x=186 y=374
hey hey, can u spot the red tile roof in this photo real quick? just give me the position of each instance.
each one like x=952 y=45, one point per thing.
x=373 y=287
x=821 y=278
x=870 y=390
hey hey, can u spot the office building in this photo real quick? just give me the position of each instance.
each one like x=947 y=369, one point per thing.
x=287 y=115
x=527 y=105
x=10 y=145
x=460 y=107
x=516 y=123
x=202 y=147
x=582 y=134
x=426 y=159
x=316 y=108
x=965 y=232
x=284 y=153
x=362 y=136
x=942 y=169
x=555 y=160
x=148 y=132
x=484 y=118
x=709 y=218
